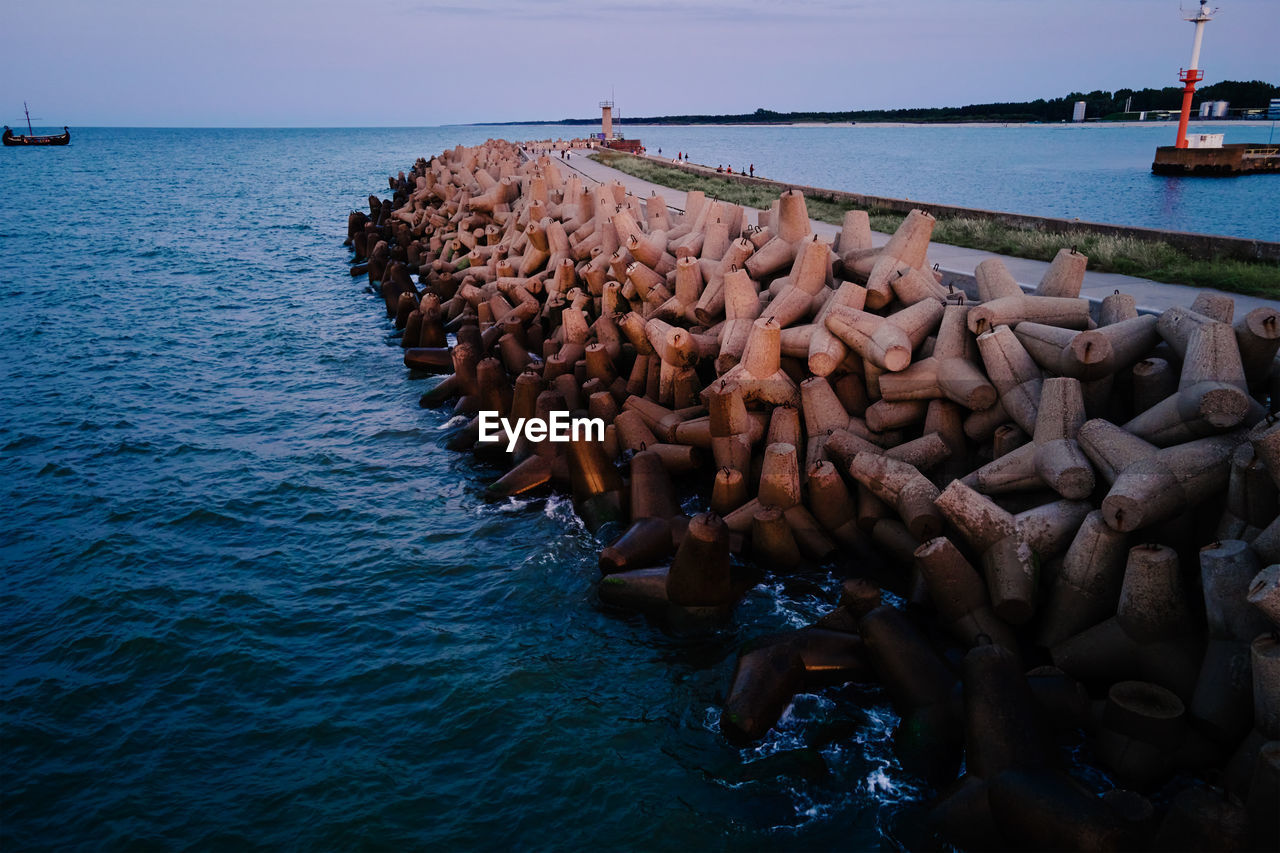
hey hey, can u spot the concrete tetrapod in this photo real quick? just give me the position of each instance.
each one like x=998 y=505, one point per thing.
x=950 y=371
x=760 y=374
x=1150 y=637
x=1012 y=794
x=960 y=597
x=897 y=483
x=1012 y=547
x=1143 y=735
x=1089 y=354
x=1087 y=587
x=733 y=430
x=1265 y=438
x=886 y=342
x=770 y=671
x=826 y=350
x=1150 y=485
x=599 y=495
x=906 y=248
x=646 y=542
x=696 y=588
x=711 y=303
x=1203 y=819
x=1212 y=395
x=793 y=227
x=1017 y=378
x=1258 y=339
x=1053 y=458
x=832 y=504
x=1264 y=593
x=805 y=284
x=1067 y=312
x=741 y=307
x=1065 y=275
x=1153 y=379
x=919 y=683
x=824 y=414
x=1267 y=543
x=1264 y=657
x=1252 y=499
x=1223 y=698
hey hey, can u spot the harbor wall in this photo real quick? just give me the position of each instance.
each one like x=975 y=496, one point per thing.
x=1227 y=161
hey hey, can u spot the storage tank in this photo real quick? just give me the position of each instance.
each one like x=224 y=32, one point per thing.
x=1078 y=114
x=1220 y=109
x=1206 y=109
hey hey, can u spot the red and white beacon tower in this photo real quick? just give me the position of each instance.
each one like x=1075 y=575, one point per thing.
x=1191 y=76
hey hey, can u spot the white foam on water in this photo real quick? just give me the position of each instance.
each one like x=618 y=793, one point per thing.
x=878 y=781
x=864 y=773
x=560 y=508
x=795 y=613
x=892 y=599
x=510 y=505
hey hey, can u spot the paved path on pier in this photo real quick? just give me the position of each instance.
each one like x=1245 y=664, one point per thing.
x=955 y=260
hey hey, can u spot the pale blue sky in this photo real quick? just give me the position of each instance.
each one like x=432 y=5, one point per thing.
x=409 y=62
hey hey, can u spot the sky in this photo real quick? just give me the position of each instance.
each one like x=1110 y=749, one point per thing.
x=288 y=63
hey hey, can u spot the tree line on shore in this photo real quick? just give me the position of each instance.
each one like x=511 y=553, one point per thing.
x=1254 y=94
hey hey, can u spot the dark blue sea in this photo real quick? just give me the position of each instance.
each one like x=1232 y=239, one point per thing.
x=249 y=601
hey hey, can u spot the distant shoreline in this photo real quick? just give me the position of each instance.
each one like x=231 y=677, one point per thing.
x=1161 y=122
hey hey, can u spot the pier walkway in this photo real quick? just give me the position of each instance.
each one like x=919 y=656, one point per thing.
x=955 y=261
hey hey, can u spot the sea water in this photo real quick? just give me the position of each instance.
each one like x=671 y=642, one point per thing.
x=248 y=599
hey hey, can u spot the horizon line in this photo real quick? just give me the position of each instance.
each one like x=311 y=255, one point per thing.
x=546 y=123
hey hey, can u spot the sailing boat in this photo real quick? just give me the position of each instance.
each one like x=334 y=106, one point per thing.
x=29 y=138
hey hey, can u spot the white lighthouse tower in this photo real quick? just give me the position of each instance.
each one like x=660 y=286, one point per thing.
x=1192 y=75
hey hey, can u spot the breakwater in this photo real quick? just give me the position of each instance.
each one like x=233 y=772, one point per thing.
x=1045 y=484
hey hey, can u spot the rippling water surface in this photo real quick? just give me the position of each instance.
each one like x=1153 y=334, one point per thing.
x=249 y=599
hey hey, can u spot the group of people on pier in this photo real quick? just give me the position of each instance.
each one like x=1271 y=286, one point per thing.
x=683 y=157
